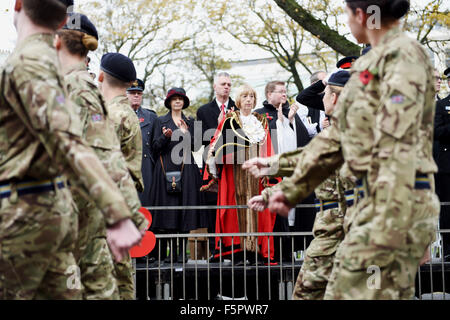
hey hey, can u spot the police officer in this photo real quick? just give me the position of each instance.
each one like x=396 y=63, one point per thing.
x=442 y=135
x=116 y=75
x=42 y=141
x=146 y=119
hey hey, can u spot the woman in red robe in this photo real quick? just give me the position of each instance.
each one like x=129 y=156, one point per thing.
x=240 y=136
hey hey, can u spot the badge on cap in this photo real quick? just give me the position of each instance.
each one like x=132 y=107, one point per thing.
x=97 y=118
x=135 y=84
x=398 y=99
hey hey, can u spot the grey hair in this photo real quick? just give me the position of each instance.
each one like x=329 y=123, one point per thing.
x=221 y=74
x=314 y=77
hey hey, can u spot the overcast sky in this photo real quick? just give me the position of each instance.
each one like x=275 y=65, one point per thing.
x=8 y=32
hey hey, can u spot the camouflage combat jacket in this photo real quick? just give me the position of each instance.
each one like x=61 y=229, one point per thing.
x=41 y=135
x=99 y=134
x=129 y=132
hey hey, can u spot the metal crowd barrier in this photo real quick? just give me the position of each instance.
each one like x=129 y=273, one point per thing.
x=224 y=279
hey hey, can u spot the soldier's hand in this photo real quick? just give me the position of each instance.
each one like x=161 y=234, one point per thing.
x=426 y=257
x=122 y=237
x=258 y=167
x=279 y=204
x=325 y=123
x=257 y=203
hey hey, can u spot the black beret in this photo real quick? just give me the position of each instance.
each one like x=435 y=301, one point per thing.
x=346 y=63
x=119 y=66
x=339 y=78
x=67 y=3
x=138 y=85
x=447 y=72
x=176 y=92
x=80 y=22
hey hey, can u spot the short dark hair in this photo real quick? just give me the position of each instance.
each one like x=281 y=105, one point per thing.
x=272 y=85
x=390 y=9
x=116 y=83
x=45 y=13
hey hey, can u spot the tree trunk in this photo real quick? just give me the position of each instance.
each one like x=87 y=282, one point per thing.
x=317 y=28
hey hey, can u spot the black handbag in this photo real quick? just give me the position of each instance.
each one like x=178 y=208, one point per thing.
x=173 y=179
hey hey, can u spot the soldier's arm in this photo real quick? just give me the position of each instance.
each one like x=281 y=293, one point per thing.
x=48 y=117
x=131 y=146
x=397 y=122
x=317 y=161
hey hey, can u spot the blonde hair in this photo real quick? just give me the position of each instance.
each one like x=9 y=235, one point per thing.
x=242 y=90
x=336 y=90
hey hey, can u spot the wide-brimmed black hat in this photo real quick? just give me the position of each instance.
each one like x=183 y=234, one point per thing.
x=177 y=92
x=447 y=72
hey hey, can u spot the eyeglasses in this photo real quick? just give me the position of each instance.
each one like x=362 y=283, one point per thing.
x=134 y=93
x=281 y=91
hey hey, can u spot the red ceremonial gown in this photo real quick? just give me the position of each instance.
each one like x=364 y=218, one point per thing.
x=234 y=185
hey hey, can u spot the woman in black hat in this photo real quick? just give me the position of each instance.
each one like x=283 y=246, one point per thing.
x=176 y=178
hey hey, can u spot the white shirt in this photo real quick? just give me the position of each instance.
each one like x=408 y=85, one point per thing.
x=220 y=106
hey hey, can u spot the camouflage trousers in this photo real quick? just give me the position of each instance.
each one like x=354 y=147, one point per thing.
x=317 y=266
x=125 y=278
x=365 y=271
x=92 y=252
x=37 y=238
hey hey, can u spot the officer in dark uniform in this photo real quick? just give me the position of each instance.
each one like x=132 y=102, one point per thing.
x=146 y=119
x=442 y=135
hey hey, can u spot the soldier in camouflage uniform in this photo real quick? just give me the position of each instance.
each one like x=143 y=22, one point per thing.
x=117 y=74
x=334 y=195
x=93 y=254
x=41 y=142
x=383 y=134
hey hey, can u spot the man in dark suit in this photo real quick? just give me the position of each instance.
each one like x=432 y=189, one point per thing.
x=442 y=136
x=210 y=115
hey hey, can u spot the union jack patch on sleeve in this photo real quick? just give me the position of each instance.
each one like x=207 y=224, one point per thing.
x=398 y=99
x=97 y=118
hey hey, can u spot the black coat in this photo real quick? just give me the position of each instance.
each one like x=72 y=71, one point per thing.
x=442 y=134
x=147 y=120
x=302 y=133
x=312 y=97
x=208 y=115
x=162 y=147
